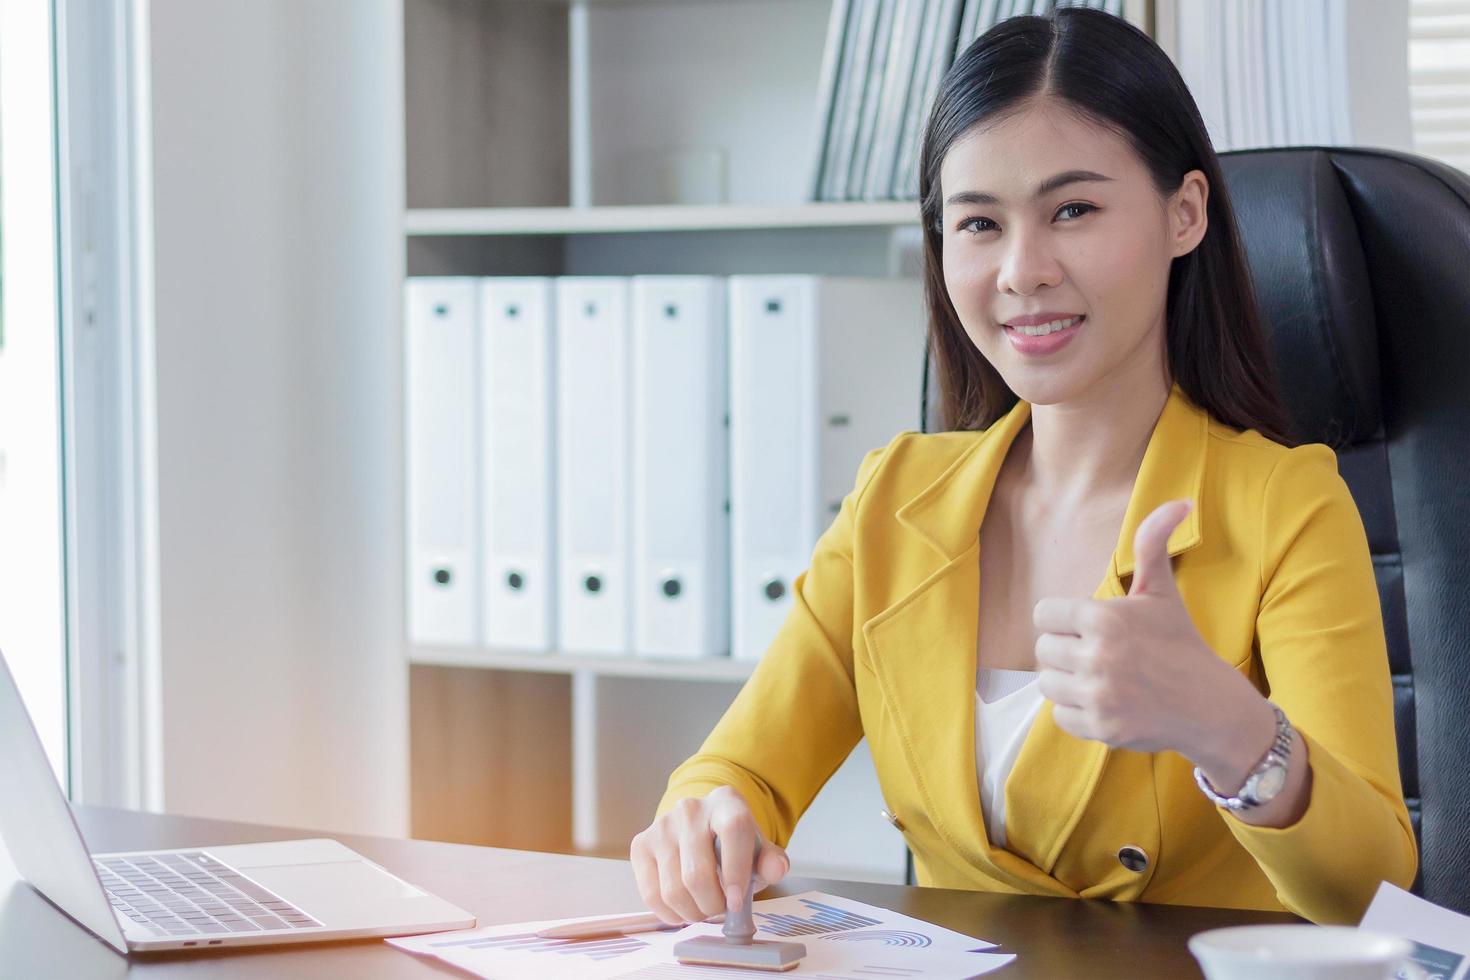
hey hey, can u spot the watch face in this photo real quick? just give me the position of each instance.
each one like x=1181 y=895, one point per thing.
x=1267 y=784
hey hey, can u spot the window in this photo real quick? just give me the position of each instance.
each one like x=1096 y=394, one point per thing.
x=32 y=543
x=1439 y=79
x=76 y=504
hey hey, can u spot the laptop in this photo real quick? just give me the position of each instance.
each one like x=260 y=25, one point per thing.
x=293 y=891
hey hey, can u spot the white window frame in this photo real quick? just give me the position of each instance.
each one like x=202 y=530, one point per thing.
x=110 y=462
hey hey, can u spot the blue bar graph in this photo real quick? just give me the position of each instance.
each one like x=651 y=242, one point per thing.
x=824 y=919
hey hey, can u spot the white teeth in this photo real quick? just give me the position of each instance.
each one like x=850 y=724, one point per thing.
x=1042 y=329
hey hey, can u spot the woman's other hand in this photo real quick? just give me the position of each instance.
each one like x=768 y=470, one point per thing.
x=1136 y=674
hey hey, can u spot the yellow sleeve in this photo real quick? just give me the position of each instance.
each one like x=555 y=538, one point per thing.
x=796 y=719
x=1320 y=635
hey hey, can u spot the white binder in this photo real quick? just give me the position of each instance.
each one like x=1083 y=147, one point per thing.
x=680 y=460
x=517 y=454
x=821 y=371
x=593 y=407
x=442 y=482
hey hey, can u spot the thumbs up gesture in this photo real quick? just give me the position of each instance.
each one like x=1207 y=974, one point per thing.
x=1134 y=672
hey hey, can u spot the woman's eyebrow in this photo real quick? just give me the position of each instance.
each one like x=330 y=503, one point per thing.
x=1045 y=187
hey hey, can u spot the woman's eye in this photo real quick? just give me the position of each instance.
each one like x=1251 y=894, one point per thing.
x=968 y=223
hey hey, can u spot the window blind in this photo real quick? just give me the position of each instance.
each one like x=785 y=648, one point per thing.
x=1439 y=79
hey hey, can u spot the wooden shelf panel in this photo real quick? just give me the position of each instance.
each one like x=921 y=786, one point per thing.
x=707 y=669
x=490 y=758
x=654 y=218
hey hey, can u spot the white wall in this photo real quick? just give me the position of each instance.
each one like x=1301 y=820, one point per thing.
x=1377 y=46
x=277 y=149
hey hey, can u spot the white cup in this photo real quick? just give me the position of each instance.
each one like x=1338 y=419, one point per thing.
x=1300 y=952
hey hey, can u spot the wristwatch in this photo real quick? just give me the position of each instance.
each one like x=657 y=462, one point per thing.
x=1265 y=780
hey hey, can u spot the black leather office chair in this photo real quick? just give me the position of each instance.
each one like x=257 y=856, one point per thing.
x=1361 y=261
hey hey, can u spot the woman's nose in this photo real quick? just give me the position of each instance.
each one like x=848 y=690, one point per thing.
x=1027 y=264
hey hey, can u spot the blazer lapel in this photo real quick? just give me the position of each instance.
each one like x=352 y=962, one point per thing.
x=923 y=649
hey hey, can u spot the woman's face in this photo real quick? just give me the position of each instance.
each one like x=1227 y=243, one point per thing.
x=1098 y=248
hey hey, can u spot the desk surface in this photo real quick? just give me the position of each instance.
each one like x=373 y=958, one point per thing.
x=1052 y=937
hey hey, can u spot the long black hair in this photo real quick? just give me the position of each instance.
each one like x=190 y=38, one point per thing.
x=1112 y=73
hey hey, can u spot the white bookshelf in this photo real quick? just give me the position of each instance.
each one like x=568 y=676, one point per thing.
x=614 y=138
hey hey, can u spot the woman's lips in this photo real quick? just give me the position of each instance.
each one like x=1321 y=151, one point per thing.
x=1042 y=346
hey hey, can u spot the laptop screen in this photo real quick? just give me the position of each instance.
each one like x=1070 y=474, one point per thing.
x=37 y=824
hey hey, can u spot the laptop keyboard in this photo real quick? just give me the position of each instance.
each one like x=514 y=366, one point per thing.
x=190 y=893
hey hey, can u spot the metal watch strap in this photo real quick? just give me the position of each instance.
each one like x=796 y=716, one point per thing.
x=1278 y=754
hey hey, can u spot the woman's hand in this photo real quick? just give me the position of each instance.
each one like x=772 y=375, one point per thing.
x=674 y=858
x=1135 y=673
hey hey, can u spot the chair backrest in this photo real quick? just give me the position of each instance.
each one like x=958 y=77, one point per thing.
x=1361 y=264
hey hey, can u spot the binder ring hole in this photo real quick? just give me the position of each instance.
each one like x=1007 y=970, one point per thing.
x=443 y=576
x=671 y=311
x=672 y=587
x=512 y=311
x=590 y=309
x=592 y=583
x=441 y=309
x=515 y=581
x=775 y=589
x=773 y=306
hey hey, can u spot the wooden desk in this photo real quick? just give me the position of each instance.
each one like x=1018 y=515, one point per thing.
x=1052 y=937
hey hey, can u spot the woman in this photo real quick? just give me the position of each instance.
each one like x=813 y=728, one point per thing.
x=1114 y=418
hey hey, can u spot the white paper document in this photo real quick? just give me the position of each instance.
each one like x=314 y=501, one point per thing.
x=1441 y=938
x=845 y=940
x=514 y=951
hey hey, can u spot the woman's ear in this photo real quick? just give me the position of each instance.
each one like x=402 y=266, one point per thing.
x=1188 y=217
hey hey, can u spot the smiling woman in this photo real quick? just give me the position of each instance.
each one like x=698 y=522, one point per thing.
x=1152 y=203
x=1114 y=635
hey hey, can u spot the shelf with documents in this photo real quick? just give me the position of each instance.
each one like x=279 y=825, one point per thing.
x=687 y=217
x=704 y=669
x=806 y=386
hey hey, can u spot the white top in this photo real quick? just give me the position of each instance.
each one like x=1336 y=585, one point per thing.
x=1006 y=702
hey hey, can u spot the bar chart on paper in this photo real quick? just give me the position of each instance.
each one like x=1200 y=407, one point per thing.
x=824 y=919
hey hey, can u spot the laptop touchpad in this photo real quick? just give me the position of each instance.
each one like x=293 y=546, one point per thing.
x=341 y=892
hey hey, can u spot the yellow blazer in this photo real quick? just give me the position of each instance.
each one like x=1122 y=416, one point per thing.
x=1273 y=565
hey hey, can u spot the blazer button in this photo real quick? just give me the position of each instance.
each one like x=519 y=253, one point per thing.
x=1133 y=857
